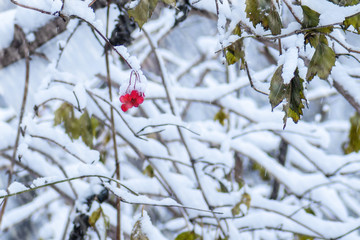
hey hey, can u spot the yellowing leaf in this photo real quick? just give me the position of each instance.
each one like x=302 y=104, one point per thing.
x=94 y=217
x=234 y=52
x=136 y=233
x=245 y=199
x=236 y=209
x=292 y=92
x=354 y=135
x=190 y=235
x=149 y=170
x=321 y=63
x=303 y=237
x=143 y=11
x=353 y=21
x=295 y=96
x=221 y=116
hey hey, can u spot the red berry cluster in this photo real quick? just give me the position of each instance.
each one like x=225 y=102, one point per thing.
x=134 y=99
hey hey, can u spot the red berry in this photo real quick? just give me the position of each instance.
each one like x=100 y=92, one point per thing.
x=134 y=99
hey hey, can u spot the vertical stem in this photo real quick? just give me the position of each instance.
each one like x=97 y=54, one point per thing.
x=25 y=48
x=280 y=47
x=117 y=164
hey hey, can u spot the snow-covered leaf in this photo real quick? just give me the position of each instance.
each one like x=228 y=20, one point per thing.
x=264 y=12
x=143 y=11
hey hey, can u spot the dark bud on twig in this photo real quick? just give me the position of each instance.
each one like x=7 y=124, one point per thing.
x=81 y=225
x=121 y=35
x=103 y=195
x=182 y=13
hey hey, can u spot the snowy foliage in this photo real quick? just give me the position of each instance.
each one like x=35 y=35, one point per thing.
x=244 y=122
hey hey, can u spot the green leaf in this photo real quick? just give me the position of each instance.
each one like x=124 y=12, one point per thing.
x=149 y=170
x=76 y=127
x=264 y=12
x=322 y=61
x=223 y=188
x=94 y=217
x=311 y=17
x=309 y=210
x=86 y=131
x=143 y=11
x=235 y=51
x=220 y=238
x=94 y=124
x=246 y=199
x=354 y=135
x=277 y=88
x=236 y=209
x=262 y=171
x=345 y=2
x=189 y=235
x=253 y=12
x=274 y=21
x=221 y=116
x=353 y=21
x=63 y=113
x=136 y=233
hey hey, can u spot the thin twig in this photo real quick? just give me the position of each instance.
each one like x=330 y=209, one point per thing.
x=60 y=145
x=290 y=218
x=172 y=107
x=67 y=41
x=167 y=124
x=347 y=96
x=31 y=8
x=57 y=164
x=251 y=82
x=292 y=11
x=112 y=122
x=25 y=48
